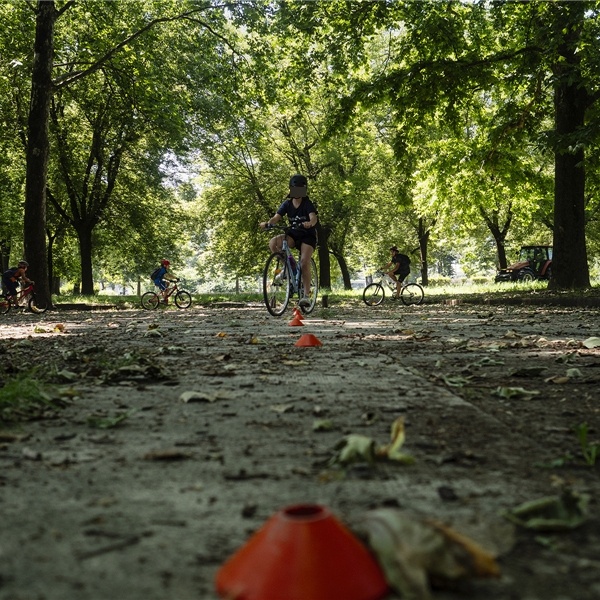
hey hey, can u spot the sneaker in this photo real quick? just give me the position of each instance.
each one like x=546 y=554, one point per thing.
x=304 y=302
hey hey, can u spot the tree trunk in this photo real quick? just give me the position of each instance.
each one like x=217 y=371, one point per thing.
x=344 y=270
x=569 y=264
x=85 y=254
x=324 y=258
x=424 y=233
x=34 y=229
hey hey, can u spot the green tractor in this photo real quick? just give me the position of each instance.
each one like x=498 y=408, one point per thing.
x=535 y=262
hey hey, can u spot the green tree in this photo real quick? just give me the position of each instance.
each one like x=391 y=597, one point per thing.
x=441 y=53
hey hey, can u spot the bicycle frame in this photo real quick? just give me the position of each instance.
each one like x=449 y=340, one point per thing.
x=25 y=297
x=282 y=278
x=291 y=260
x=374 y=292
x=151 y=300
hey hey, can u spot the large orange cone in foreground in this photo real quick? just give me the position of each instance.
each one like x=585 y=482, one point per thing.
x=302 y=553
x=308 y=339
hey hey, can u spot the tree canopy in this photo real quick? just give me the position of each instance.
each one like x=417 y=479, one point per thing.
x=471 y=125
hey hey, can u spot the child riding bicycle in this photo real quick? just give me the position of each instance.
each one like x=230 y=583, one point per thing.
x=160 y=276
x=12 y=276
x=302 y=215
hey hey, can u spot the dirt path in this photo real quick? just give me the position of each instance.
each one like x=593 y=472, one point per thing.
x=128 y=492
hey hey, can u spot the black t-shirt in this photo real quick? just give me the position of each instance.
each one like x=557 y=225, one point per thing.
x=298 y=215
x=402 y=262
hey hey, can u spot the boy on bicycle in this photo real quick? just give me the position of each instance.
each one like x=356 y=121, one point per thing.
x=160 y=276
x=401 y=268
x=12 y=276
x=302 y=215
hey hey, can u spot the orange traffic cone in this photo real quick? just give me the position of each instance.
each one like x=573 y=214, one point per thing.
x=298 y=314
x=302 y=553
x=308 y=339
x=295 y=322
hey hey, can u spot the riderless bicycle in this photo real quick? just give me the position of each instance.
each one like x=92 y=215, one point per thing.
x=282 y=279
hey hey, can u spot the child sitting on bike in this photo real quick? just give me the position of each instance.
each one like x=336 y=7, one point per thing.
x=160 y=277
x=401 y=268
x=12 y=276
x=302 y=215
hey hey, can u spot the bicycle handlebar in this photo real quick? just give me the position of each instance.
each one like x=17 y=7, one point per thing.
x=283 y=227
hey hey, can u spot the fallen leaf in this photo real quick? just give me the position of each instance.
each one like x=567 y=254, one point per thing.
x=514 y=392
x=392 y=450
x=322 y=425
x=193 y=396
x=282 y=408
x=592 y=342
x=558 y=379
x=413 y=552
x=354 y=448
x=153 y=333
x=574 y=373
x=551 y=513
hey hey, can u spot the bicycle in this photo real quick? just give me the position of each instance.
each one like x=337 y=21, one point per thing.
x=151 y=300
x=282 y=278
x=374 y=293
x=25 y=298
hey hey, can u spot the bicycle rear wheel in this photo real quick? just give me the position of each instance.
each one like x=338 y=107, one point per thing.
x=412 y=293
x=150 y=301
x=37 y=306
x=276 y=284
x=374 y=294
x=183 y=299
x=314 y=289
x=4 y=305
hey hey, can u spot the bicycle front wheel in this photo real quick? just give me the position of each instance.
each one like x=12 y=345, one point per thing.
x=183 y=299
x=36 y=305
x=150 y=301
x=4 y=305
x=314 y=289
x=374 y=294
x=276 y=284
x=412 y=293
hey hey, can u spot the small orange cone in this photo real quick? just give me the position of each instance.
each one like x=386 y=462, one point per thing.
x=295 y=322
x=303 y=552
x=298 y=314
x=308 y=339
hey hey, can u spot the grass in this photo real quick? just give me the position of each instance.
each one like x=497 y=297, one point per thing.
x=340 y=297
x=24 y=394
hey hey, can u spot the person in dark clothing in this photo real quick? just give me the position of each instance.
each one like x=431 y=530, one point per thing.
x=12 y=276
x=400 y=268
x=302 y=216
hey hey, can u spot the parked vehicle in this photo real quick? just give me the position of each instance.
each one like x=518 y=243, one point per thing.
x=535 y=262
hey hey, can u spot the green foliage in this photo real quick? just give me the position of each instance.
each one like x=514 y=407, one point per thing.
x=22 y=396
x=590 y=451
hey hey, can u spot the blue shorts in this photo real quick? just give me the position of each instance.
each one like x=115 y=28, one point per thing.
x=161 y=284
